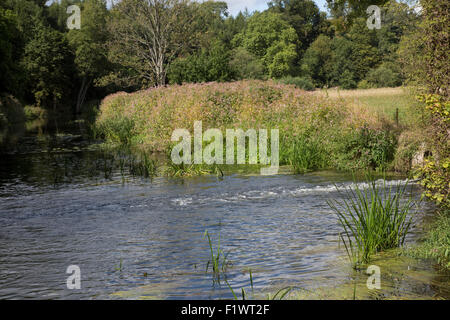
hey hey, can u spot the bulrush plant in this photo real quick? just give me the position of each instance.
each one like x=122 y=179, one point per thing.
x=374 y=218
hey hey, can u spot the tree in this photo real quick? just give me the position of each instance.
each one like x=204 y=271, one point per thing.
x=344 y=69
x=272 y=40
x=383 y=76
x=345 y=11
x=245 y=65
x=146 y=36
x=317 y=62
x=87 y=46
x=206 y=65
x=47 y=62
x=304 y=16
x=9 y=43
x=365 y=54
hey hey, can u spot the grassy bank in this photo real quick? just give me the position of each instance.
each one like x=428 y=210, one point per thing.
x=316 y=131
x=436 y=244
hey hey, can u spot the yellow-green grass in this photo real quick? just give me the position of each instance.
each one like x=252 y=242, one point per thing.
x=383 y=101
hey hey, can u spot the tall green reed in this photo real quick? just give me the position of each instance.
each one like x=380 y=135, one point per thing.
x=374 y=218
x=218 y=260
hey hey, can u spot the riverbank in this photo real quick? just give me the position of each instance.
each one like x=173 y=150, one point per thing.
x=316 y=132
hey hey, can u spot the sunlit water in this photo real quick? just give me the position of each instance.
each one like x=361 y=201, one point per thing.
x=144 y=238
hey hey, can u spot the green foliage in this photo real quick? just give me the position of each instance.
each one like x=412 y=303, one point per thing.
x=345 y=11
x=118 y=130
x=211 y=64
x=435 y=178
x=306 y=153
x=382 y=77
x=9 y=40
x=272 y=40
x=347 y=80
x=245 y=65
x=47 y=62
x=367 y=148
x=318 y=61
x=304 y=16
x=32 y=112
x=436 y=244
x=424 y=52
x=374 y=218
x=11 y=110
x=435 y=173
x=299 y=82
x=364 y=54
x=343 y=70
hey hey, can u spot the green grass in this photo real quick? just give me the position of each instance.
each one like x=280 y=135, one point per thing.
x=305 y=154
x=436 y=244
x=387 y=105
x=374 y=218
x=382 y=101
x=218 y=260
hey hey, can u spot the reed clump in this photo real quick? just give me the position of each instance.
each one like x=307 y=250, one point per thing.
x=374 y=217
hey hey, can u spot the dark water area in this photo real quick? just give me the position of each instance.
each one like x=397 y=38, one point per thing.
x=143 y=238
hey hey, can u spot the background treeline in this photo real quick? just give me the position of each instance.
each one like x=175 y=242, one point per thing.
x=135 y=44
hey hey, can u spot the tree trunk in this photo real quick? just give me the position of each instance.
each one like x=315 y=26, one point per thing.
x=82 y=93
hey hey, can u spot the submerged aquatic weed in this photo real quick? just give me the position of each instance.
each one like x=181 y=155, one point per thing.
x=374 y=218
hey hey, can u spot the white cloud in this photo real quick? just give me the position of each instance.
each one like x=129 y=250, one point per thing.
x=234 y=6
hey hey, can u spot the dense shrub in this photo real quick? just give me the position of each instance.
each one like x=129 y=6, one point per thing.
x=245 y=65
x=117 y=130
x=347 y=80
x=367 y=148
x=383 y=77
x=305 y=153
x=299 y=82
x=206 y=65
x=11 y=110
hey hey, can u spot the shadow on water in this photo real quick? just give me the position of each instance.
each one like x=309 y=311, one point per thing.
x=64 y=201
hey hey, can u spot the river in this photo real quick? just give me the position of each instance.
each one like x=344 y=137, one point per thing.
x=143 y=238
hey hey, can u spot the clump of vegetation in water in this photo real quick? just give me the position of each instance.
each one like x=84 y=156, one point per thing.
x=374 y=218
x=186 y=170
x=218 y=260
x=279 y=295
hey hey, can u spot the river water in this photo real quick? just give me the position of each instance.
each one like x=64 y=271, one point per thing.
x=143 y=238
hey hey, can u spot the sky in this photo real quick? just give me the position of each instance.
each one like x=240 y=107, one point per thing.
x=234 y=6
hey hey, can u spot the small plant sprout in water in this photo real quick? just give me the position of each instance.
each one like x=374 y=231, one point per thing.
x=119 y=268
x=279 y=295
x=374 y=218
x=218 y=260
